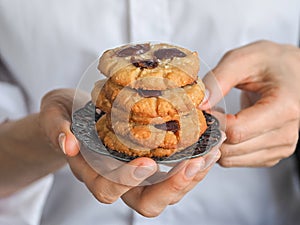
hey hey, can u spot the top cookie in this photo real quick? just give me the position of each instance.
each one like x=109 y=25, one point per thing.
x=150 y=66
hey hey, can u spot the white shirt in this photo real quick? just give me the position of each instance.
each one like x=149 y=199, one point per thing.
x=49 y=44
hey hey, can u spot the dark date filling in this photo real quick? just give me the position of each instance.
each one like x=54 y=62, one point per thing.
x=145 y=64
x=160 y=54
x=133 y=50
x=171 y=125
x=168 y=53
x=98 y=114
x=155 y=93
x=149 y=93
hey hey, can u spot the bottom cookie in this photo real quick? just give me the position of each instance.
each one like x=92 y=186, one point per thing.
x=126 y=146
x=83 y=127
x=171 y=134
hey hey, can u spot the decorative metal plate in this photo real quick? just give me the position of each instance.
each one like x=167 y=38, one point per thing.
x=83 y=127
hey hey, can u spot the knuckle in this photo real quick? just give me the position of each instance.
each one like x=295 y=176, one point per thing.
x=285 y=140
x=236 y=55
x=175 y=201
x=286 y=152
x=147 y=211
x=264 y=42
x=247 y=51
x=200 y=176
x=77 y=175
x=225 y=150
x=290 y=139
x=289 y=142
x=234 y=135
x=47 y=96
x=293 y=110
x=105 y=198
x=225 y=162
x=230 y=53
x=177 y=186
x=239 y=54
x=271 y=163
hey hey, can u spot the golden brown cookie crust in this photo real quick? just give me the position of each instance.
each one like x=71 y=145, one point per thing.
x=187 y=131
x=167 y=105
x=150 y=98
x=111 y=141
x=163 y=73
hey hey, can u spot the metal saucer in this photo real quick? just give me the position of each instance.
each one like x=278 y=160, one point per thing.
x=83 y=127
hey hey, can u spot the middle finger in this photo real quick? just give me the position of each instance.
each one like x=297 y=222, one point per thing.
x=283 y=136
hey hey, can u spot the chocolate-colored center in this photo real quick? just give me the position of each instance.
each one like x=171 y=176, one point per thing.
x=145 y=64
x=168 y=53
x=133 y=50
x=171 y=125
x=149 y=93
x=98 y=114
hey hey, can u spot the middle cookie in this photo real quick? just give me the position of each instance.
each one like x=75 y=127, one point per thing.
x=144 y=106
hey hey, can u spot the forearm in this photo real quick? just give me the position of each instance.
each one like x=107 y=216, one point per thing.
x=25 y=154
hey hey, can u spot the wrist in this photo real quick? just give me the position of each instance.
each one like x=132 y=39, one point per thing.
x=25 y=154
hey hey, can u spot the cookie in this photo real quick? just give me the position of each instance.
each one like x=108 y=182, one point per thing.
x=149 y=99
x=117 y=143
x=144 y=105
x=150 y=66
x=98 y=96
x=171 y=134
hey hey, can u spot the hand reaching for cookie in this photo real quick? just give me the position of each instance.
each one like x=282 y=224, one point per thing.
x=266 y=130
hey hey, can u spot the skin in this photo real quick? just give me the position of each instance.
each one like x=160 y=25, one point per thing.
x=146 y=200
x=25 y=154
x=34 y=154
x=266 y=130
x=261 y=134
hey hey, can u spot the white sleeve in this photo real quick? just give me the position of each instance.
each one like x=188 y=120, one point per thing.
x=24 y=207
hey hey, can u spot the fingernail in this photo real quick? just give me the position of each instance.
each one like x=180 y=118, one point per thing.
x=193 y=168
x=62 y=141
x=143 y=172
x=212 y=158
x=206 y=97
x=224 y=138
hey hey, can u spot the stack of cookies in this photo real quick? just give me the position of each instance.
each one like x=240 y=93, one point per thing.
x=149 y=99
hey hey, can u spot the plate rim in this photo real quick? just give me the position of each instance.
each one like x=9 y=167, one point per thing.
x=89 y=109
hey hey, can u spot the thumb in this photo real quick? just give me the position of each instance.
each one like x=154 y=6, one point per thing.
x=55 y=120
x=214 y=90
x=68 y=142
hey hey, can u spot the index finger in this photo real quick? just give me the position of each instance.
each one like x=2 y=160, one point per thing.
x=237 y=67
x=268 y=113
x=109 y=187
